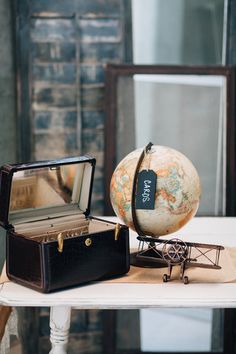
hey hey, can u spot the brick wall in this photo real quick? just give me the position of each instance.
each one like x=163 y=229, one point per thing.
x=67 y=51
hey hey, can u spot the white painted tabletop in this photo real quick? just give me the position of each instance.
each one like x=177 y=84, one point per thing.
x=102 y=295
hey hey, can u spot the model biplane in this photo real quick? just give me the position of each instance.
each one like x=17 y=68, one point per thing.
x=175 y=252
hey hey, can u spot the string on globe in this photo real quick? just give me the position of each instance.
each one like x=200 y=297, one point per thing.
x=147 y=157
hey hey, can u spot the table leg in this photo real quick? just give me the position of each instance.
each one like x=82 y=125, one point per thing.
x=59 y=325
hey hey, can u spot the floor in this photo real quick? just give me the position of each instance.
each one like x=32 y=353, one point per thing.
x=15 y=349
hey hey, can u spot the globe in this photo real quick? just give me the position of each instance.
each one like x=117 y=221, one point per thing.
x=177 y=191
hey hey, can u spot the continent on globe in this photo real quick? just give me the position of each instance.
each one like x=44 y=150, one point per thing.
x=177 y=193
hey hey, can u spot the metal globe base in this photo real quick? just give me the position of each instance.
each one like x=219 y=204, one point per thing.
x=150 y=260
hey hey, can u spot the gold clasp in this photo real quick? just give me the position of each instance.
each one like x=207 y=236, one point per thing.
x=88 y=242
x=117 y=231
x=60 y=240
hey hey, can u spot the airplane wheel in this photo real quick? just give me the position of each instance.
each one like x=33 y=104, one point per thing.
x=185 y=279
x=165 y=278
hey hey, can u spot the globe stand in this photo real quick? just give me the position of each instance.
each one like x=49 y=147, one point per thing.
x=150 y=259
x=152 y=256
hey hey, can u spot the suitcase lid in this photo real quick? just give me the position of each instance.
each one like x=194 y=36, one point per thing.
x=45 y=189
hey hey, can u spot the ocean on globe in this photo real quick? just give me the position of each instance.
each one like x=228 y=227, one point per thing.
x=177 y=192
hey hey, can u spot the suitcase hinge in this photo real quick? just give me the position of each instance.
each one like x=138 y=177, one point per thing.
x=117 y=231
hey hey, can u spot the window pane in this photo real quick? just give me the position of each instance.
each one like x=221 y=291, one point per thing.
x=176 y=330
x=187 y=113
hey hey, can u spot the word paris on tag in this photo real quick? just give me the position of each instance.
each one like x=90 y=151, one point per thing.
x=146 y=189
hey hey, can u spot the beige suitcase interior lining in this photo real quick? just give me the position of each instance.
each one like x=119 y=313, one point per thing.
x=68 y=226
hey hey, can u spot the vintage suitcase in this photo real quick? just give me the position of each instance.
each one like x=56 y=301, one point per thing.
x=52 y=241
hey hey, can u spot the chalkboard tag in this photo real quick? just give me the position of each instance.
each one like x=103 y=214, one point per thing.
x=146 y=189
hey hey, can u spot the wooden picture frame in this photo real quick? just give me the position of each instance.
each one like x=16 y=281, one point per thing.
x=116 y=71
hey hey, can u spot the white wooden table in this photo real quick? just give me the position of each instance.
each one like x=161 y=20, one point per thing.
x=134 y=295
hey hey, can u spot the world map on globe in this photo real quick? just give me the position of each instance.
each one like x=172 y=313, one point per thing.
x=177 y=191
